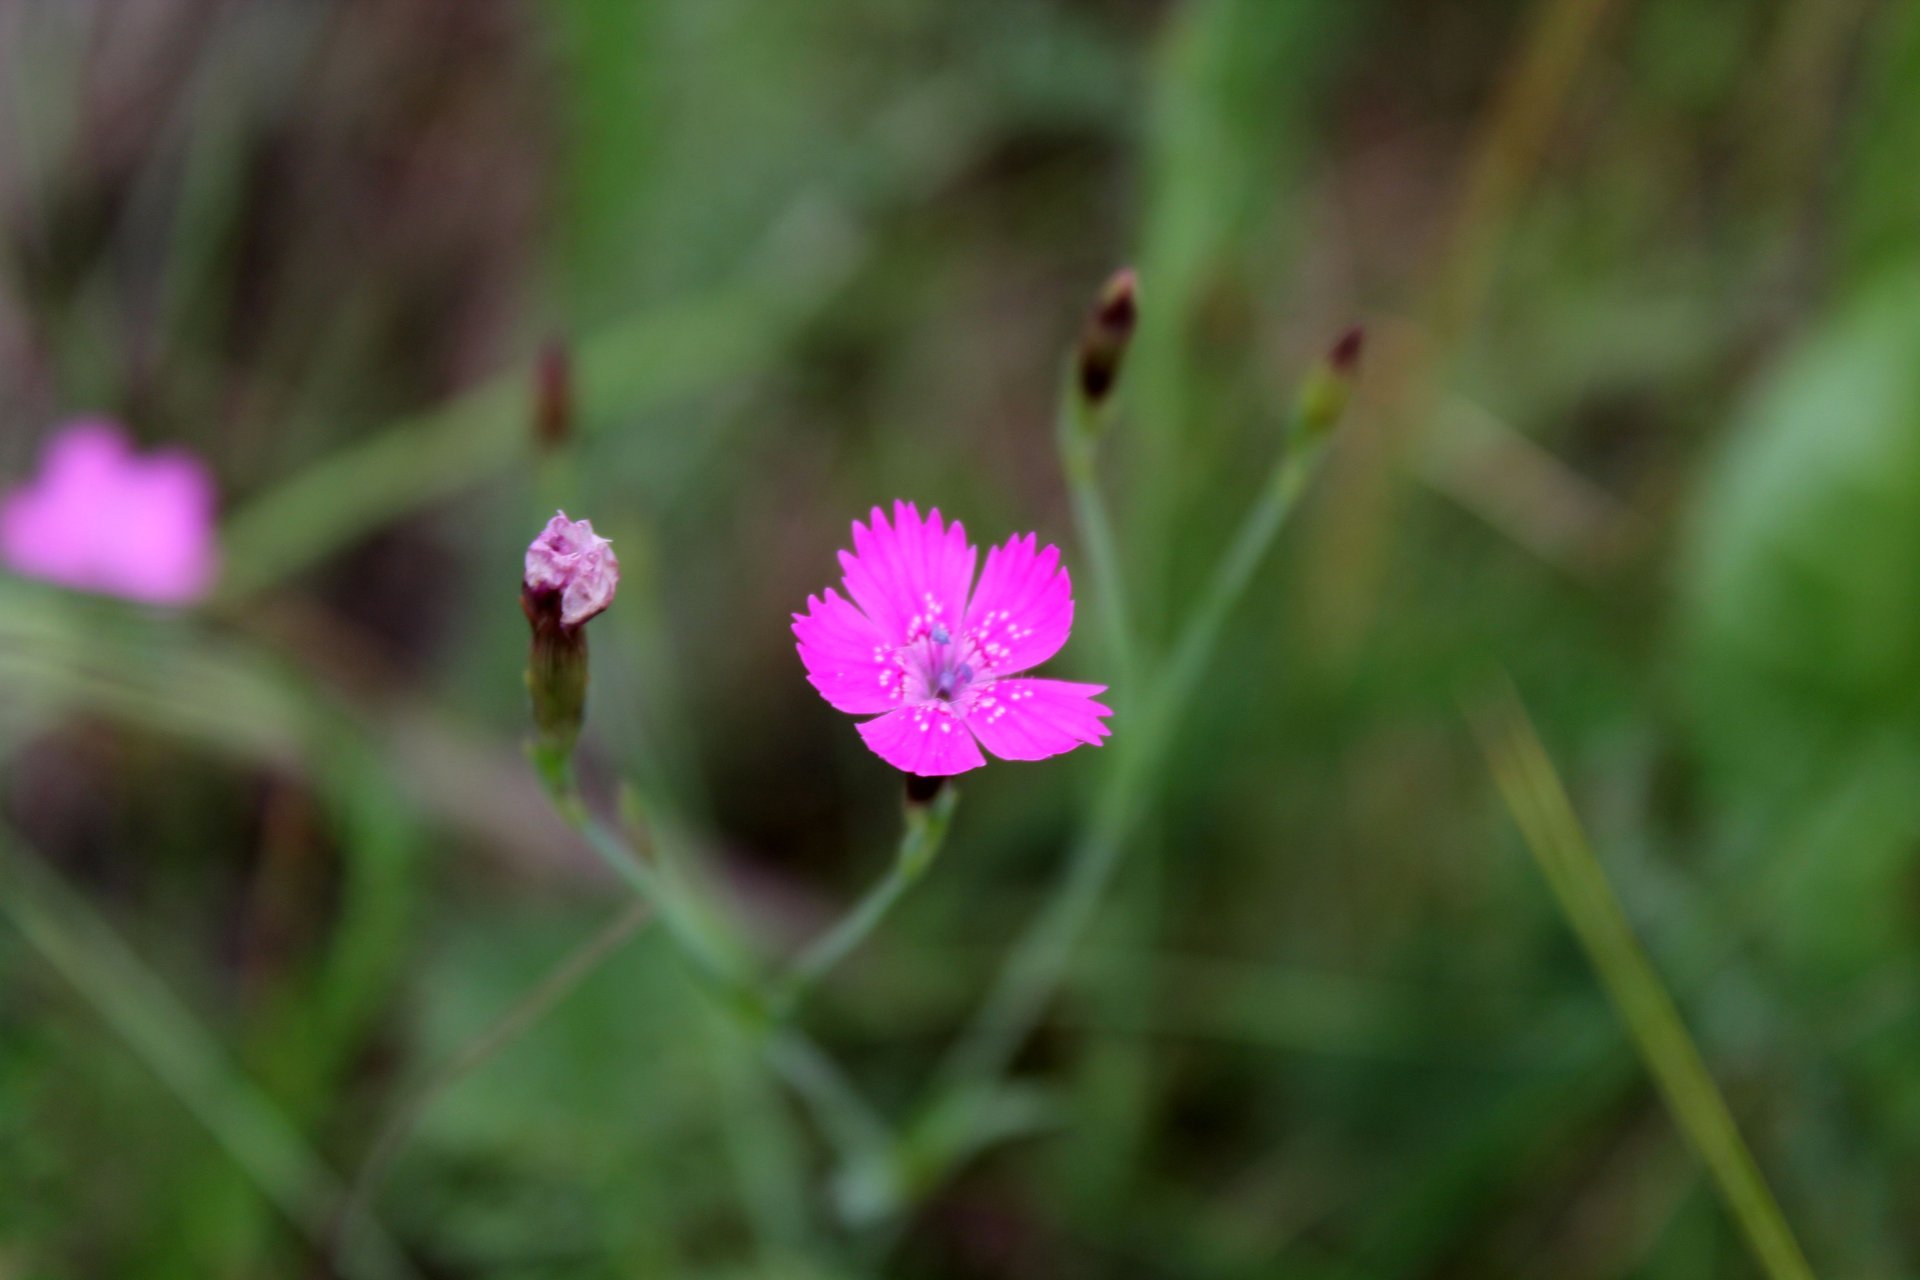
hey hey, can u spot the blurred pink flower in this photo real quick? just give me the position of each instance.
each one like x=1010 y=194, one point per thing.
x=100 y=517
x=570 y=558
x=932 y=659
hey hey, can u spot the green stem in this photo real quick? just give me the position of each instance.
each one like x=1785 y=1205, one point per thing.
x=1233 y=574
x=1039 y=962
x=926 y=831
x=705 y=952
x=695 y=940
x=850 y=1125
x=1552 y=831
x=1077 y=433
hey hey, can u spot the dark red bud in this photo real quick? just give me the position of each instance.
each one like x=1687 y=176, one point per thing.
x=1104 y=340
x=1345 y=356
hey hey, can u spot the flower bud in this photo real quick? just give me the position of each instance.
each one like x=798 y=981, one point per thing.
x=1323 y=398
x=1104 y=340
x=571 y=575
x=575 y=566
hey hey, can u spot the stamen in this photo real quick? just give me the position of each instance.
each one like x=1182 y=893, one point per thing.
x=940 y=634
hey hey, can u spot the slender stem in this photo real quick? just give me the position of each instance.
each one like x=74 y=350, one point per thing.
x=1539 y=805
x=256 y=1134
x=856 y=1131
x=1234 y=572
x=1039 y=962
x=926 y=830
x=1076 y=435
x=572 y=970
x=695 y=941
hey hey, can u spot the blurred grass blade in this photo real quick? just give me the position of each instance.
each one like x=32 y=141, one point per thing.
x=1540 y=808
x=574 y=968
x=166 y=1037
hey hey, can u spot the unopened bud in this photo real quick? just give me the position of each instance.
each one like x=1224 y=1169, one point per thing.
x=1323 y=398
x=572 y=569
x=1104 y=340
x=571 y=575
x=553 y=396
x=1344 y=359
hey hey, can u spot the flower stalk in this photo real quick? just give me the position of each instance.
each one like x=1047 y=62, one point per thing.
x=1086 y=401
x=925 y=831
x=1038 y=964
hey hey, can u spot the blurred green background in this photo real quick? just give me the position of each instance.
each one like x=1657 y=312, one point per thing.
x=1639 y=424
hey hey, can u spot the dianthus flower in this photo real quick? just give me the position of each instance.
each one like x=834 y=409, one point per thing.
x=100 y=517
x=936 y=657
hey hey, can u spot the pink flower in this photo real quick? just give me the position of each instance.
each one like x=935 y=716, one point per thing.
x=934 y=661
x=101 y=518
x=570 y=558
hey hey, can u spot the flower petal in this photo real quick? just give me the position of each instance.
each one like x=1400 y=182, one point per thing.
x=1023 y=608
x=165 y=548
x=846 y=657
x=101 y=518
x=1034 y=719
x=909 y=572
x=928 y=740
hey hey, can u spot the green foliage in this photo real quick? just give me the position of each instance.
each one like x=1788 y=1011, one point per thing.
x=1803 y=589
x=1803 y=625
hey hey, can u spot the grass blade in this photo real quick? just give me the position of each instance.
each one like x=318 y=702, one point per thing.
x=186 y=1057
x=1538 y=802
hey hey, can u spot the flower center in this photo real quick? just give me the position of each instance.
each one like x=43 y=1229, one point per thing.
x=944 y=669
x=939 y=667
